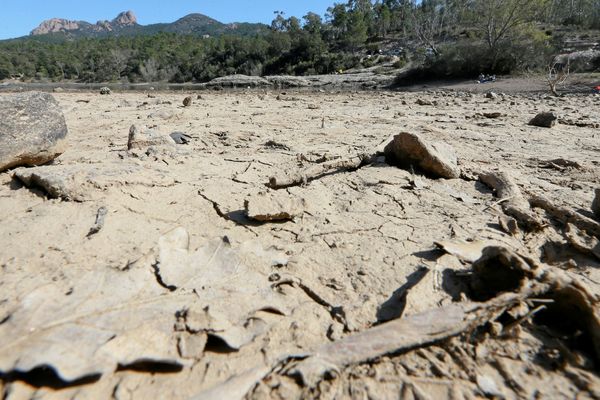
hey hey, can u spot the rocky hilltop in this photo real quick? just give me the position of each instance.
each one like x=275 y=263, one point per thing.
x=126 y=24
x=54 y=25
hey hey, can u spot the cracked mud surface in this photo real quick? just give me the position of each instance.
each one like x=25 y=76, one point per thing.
x=363 y=238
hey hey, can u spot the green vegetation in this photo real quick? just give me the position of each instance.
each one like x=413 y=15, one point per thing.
x=448 y=38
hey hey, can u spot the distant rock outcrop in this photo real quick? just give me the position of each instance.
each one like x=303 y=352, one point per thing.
x=126 y=23
x=126 y=18
x=55 y=25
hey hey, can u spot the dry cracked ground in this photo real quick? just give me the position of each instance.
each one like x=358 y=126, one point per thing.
x=137 y=274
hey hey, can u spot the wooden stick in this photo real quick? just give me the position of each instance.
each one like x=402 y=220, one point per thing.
x=317 y=171
x=514 y=203
x=565 y=215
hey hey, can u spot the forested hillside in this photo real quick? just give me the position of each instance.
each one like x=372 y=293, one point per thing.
x=442 y=37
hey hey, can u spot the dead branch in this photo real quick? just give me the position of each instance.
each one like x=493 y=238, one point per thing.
x=566 y=215
x=313 y=172
x=526 y=280
x=515 y=205
x=416 y=331
x=413 y=332
x=582 y=241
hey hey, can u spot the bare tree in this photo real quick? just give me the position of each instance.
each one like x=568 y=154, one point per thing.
x=150 y=70
x=61 y=66
x=558 y=73
x=429 y=21
x=498 y=20
x=120 y=58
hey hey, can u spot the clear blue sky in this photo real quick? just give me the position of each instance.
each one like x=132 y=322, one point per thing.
x=18 y=18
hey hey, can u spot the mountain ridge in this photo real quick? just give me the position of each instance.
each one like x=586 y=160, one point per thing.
x=126 y=24
x=55 y=25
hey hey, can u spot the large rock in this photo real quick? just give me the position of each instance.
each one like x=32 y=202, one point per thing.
x=435 y=158
x=32 y=129
x=544 y=120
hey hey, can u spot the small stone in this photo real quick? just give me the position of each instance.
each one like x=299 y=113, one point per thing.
x=422 y=102
x=493 y=115
x=544 y=120
x=491 y=95
x=274 y=206
x=142 y=138
x=496 y=328
x=596 y=203
x=435 y=158
x=105 y=90
x=180 y=137
x=162 y=114
x=187 y=101
x=32 y=129
x=488 y=386
x=191 y=346
x=508 y=224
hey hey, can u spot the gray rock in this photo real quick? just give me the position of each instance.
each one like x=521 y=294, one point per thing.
x=142 y=138
x=284 y=81
x=162 y=114
x=596 y=203
x=276 y=206
x=180 y=137
x=32 y=130
x=358 y=79
x=239 y=81
x=488 y=386
x=544 y=120
x=435 y=158
x=422 y=102
x=492 y=115
x=105 y=90
x=187 y=101
x=491 y=95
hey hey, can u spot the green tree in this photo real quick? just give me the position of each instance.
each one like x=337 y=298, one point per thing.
x=383 y=18
x=357 y=32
